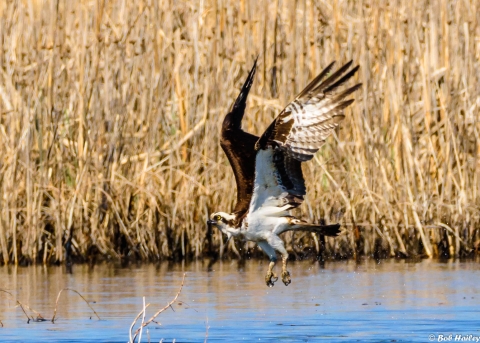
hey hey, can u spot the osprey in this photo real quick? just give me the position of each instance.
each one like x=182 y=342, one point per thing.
x=268 y=169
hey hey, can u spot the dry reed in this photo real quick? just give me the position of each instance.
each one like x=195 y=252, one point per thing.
x=81 y=296
x=138 y=333
x=110 y=113
x=39 y=317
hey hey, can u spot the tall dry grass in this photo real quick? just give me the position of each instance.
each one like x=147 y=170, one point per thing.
x=111 y=110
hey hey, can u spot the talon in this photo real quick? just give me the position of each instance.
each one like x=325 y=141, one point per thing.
x=270 y=279
x=286 y=278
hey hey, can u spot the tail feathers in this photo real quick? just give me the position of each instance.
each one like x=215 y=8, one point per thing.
x=326 y=230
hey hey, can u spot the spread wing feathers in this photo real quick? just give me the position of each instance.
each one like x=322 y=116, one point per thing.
x=239 y=146
x=302 y=127
x=294 y=137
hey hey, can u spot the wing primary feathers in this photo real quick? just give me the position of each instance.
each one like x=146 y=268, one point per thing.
x=346 y=92
x=342 y=80
x=342 y=105
x=241 y=102
x=333 y=77
x=295 y=136
x=316 y=80
x=302 y=127
x=239 y=146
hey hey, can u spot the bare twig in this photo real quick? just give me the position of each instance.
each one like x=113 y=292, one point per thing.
x=136 y=318
x=143 y=321
x=81 y=296
x=132 y=340
x=206 y=331
x=23 y=306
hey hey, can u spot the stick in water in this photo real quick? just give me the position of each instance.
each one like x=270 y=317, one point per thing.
x=81 y=296
x=155 y=315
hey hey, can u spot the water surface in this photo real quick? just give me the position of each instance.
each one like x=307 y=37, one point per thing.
x=390 y=301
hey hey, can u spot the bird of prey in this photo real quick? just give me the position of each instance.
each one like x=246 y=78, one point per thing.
x=268 y=168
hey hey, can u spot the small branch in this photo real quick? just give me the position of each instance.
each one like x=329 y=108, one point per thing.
x=157 y=313
x=39 y=316
x=28 y=318
x=143 y=321
x=81 y=296
x=206 y=331
x=135 y=320
x=22 y=306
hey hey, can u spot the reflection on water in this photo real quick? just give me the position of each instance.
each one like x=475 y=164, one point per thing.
x=341 y=302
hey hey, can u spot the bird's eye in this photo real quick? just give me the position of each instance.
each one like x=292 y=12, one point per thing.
x=218 y=217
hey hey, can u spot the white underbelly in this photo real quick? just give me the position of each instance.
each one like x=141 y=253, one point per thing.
x=259 y=227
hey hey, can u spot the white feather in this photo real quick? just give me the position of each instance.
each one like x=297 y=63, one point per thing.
x=266 y=189
x=268 y=210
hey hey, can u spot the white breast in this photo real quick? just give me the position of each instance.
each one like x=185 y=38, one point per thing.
x=267 y=207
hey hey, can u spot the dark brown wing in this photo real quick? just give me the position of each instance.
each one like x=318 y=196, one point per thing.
x=302 y=127
x=239 y=146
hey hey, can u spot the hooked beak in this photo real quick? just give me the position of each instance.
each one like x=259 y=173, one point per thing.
x=211 y=222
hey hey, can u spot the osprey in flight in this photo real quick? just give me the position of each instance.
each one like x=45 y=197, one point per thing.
x=268 y=169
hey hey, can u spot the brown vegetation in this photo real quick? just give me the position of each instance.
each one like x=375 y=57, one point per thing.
x=35 y=316
x=143 y=323
x=110 y=113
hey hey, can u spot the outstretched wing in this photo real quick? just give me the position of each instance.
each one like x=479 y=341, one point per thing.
x=296 y=135
x=302 y=127
x=239 y=146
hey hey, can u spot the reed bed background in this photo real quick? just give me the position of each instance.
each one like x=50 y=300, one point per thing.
x=110 y=112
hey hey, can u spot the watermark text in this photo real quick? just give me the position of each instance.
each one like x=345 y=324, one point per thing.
x=454 y=338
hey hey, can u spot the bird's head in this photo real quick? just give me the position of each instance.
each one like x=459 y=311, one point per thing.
x=224 y=222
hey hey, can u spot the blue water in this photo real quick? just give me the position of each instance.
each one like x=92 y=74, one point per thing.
x=390 y=301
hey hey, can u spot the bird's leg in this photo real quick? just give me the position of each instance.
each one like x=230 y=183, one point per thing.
x=271 y=277
x=277 y=243
x=285 y=274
